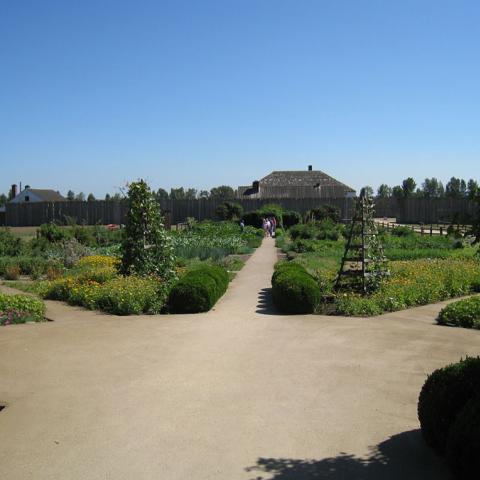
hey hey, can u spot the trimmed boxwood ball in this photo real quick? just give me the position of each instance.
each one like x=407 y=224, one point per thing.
x=463 y=444
x=198 y=290
x=294 y=290
x=444 y=394
x=464 y=313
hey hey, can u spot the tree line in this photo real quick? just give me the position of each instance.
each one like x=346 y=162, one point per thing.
x=430 y=188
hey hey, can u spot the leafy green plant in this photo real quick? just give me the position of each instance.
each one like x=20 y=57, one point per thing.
x=463 y=443
x=229 y=211
x=198 y=290
x=294 y=290
x=464 y=313
x=443 y=396
x=146 y=247
x=9 y=244
x=12 y=272
x=20 y=309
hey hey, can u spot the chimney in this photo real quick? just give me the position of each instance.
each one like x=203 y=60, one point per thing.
x=309 y=168
x=14 y=190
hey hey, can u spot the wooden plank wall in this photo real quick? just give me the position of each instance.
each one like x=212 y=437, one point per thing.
x=412 y=210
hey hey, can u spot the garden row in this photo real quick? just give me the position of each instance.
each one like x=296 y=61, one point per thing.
x=425 y=270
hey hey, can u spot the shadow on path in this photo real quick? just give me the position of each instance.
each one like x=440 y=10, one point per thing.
x=265 y=304
x=401 y=457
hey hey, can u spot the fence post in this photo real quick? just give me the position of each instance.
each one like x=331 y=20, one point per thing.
x=441 y=231
x=422 y=231
x=431 y=230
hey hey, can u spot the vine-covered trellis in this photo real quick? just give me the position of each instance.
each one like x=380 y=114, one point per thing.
x=363 y=264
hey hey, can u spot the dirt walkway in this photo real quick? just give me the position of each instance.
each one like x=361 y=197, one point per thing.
x=238 y=393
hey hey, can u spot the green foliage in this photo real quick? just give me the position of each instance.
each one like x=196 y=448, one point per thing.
x=198 y=290
x=9 y=244
x=20 y=309
x=294 y=290
x=229 y=211
x=323 y=230
x=324 y=212
x=53 y=233
x=214 y=240
x=291 y=218
x=443 y=396
x=253 y=219
x=464 y=313
x=413 y=283
x=463 y=443
x=146 y=247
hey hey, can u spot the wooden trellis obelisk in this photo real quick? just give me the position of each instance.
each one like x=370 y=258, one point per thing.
x=363 y=263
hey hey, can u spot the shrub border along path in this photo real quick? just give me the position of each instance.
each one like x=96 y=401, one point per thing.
x=208 y=396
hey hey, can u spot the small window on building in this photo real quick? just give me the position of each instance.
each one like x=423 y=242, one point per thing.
x=27 y=198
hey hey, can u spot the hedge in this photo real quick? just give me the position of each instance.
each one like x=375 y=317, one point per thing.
x=198 y=290
x=463 y=444
x=464 y=313
x=443 y=396
x=20 y=309
x=294 y=290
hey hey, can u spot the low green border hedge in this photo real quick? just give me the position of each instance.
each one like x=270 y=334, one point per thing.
x=464 y=313
x=294 y=290
x=198 y=290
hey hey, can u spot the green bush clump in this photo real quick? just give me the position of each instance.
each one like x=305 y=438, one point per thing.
x=294 y=290
x=198 y=290
x=324 y=230
x=324 y=212
x=443 y=396
x=9 y=244
x=464 y=313
x=20 y=309
x=463 y=444
x=291 y=218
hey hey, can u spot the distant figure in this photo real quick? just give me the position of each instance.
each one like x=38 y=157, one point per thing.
x=242 y=225
x=274 y=226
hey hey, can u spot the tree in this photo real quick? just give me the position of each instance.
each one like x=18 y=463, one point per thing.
x=473 y=190
x=3 y=199
x=384 y=191
x=432 y=188
x=191 y=194
x=108 y=197
x=408 y=187
x=397 y=191
x=368 y=190
x=223 y=192
x=456 y=188
x=91 y=197
x=71 y=195
x=161 y=195
x=117 y=197
x=146 y=248
x=229 y=211
x=80 y=197
x=177 y=193
x=203 y=194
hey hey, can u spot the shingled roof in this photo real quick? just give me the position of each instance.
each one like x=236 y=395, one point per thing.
x=302 y=178
x=47 y=195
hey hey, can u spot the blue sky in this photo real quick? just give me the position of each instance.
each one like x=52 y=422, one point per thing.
x=202 y=93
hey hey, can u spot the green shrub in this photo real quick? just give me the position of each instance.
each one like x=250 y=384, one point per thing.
x=294 y=290
x=53 y=233
x=291 y=218
x=324 y=212
x=20 y=308
x=402 y=231
x=464 y=313
x=12 y=272
x=229 y=211
x=253 y=219
x=463 y=444
x=444 y=394
x=198 y=290
x=10 y=245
